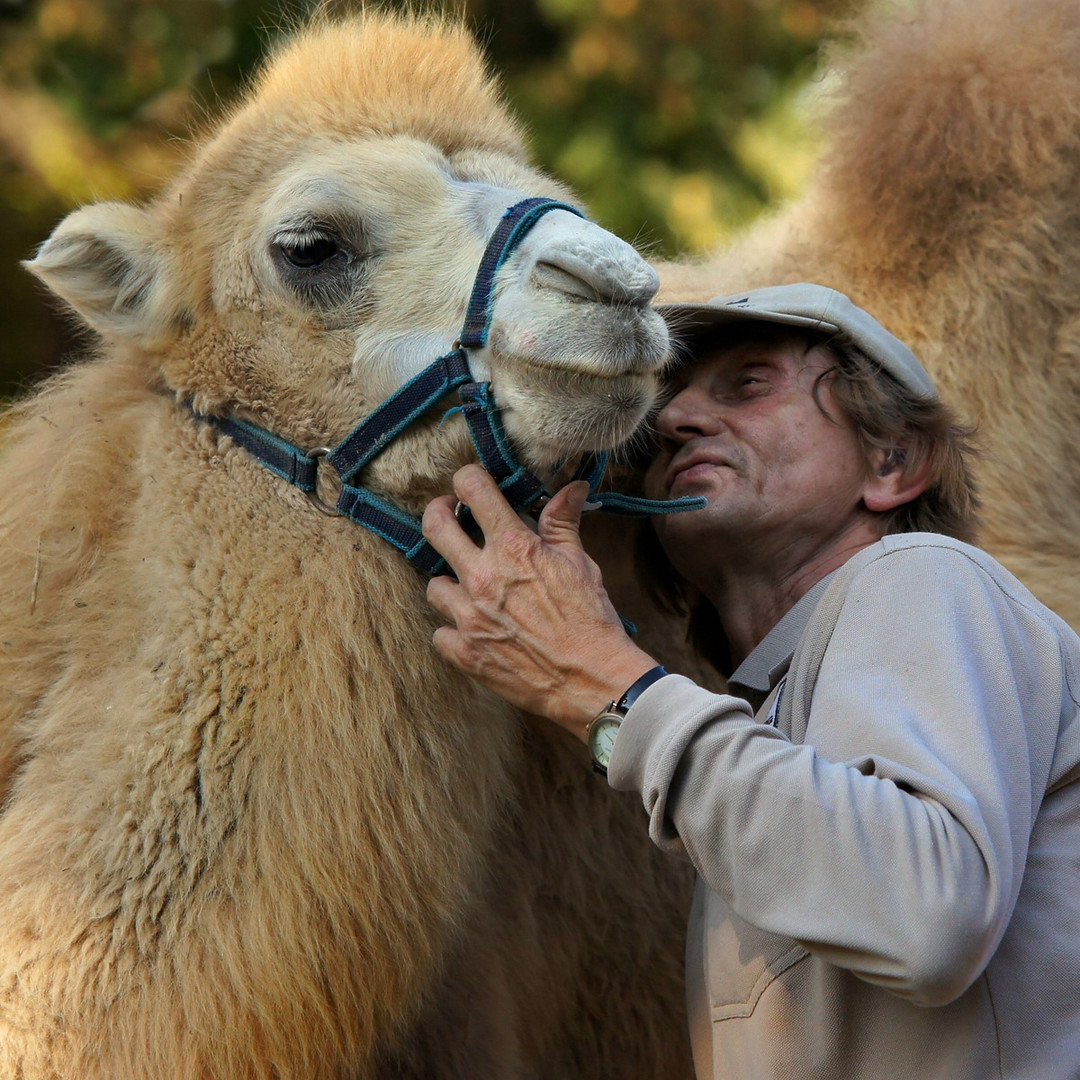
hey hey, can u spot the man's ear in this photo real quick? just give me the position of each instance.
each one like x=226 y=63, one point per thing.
x=892 y=482
x=107 y=263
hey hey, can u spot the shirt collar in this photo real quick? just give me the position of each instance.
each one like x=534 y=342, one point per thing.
x=770 y=659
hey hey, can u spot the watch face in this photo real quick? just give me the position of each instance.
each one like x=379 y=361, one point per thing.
x=602 y=738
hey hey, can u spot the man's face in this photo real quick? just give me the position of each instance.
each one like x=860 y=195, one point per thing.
x=783 y=475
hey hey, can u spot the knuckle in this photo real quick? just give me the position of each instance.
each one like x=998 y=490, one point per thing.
x=519 y=545
x=430 y=520
x=470 y=480
x=483 y=584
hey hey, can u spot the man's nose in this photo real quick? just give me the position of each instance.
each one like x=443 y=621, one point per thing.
x=691 y=412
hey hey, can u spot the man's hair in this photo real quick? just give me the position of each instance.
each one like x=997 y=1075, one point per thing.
x=911 y=430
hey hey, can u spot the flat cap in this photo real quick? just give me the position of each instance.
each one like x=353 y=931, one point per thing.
x=814 y=307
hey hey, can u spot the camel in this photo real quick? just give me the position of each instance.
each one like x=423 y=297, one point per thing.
x=251 y=826
x=945 y=203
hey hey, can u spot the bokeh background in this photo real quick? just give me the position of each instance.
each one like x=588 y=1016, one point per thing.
x=678 y=121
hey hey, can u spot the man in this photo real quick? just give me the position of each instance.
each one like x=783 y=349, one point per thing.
x=884 y=815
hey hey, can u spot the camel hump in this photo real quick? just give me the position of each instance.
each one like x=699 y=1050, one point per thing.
x=950 y=108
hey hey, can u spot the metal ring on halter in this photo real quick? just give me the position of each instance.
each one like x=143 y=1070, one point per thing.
x=317 y=453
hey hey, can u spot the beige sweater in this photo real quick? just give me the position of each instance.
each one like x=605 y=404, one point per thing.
x=889 y=873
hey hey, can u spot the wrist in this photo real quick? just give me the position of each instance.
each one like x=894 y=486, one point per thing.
x=608 y=684
x=604 y=727
x=638 y=687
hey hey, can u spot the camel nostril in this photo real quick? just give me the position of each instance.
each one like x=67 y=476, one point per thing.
x=632 y=283
x=551 y=275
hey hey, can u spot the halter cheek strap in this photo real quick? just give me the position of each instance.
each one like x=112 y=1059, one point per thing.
x=445 y=375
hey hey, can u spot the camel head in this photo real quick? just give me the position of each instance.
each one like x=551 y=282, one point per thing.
x=320 y=248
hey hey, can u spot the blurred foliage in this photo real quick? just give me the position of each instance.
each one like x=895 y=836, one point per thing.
x=676 y=120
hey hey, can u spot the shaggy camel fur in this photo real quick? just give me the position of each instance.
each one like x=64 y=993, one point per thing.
x=250 y=825
x=947 y=204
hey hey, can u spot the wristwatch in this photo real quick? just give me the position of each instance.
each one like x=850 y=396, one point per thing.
x=602 y=729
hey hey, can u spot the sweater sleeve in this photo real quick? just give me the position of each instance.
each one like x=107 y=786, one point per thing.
x=893 y=841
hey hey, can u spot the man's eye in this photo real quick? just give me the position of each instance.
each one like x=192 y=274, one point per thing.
x=749 y=382
x=311 y=252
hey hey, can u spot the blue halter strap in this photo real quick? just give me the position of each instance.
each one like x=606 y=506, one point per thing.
x=445 y=375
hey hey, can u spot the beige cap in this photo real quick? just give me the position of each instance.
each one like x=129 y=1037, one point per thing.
x=814 y=307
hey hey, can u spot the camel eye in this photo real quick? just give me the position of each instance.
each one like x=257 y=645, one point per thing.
x=321 y=262
x=309 y=253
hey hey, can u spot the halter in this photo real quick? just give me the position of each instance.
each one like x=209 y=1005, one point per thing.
x=446 y=374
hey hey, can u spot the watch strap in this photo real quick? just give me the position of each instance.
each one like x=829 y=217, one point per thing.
x=639 y=686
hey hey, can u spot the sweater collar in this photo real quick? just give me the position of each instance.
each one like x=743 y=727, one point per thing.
x=769 y=661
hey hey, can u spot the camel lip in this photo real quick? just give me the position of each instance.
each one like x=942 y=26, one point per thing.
x=557 y=370
x=554 y=370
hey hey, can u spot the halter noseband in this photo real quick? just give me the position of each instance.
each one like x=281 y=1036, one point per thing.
x=446 y=374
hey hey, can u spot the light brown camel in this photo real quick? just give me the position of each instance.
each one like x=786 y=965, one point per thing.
x=947 y=204
x=250 y=825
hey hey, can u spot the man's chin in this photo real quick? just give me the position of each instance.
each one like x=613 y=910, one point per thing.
x=687 y=527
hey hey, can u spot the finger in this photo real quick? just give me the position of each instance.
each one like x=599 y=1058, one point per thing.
x=447 y=644
x=443 y=531
x=447 y=502
x=444 y=594
x=560 y=521
x=452 y=646
x=478 y=490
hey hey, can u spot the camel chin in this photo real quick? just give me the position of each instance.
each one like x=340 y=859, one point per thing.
x=556 y=412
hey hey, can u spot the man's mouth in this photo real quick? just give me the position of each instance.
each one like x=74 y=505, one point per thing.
x=692 y=469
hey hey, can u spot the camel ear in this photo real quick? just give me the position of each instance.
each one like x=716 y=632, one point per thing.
x=106 y=261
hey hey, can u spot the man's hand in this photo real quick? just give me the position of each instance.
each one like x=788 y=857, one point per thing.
x=531 y=619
